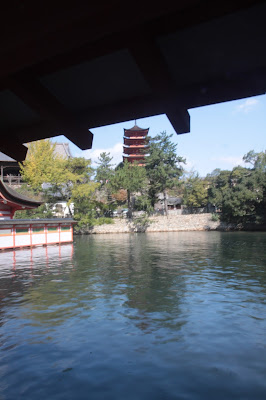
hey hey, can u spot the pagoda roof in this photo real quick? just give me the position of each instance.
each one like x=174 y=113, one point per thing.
x=11 y=196
x=136 y=128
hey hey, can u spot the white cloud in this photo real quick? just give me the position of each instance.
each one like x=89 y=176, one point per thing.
x=115 y=152
x=247 y=106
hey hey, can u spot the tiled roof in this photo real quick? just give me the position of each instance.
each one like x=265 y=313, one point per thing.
x=136 y=128
x=12 y=195
x=4 y=157
x=63 y=150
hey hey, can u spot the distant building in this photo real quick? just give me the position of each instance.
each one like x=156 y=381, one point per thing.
x=9 y=170
x=135 y=144
x=173 y=203
x=63 y=150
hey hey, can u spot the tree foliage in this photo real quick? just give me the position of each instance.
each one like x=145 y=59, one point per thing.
x=41 y=165
x=195 y=191
x=163 y=166
x=104 y=171
x=131 y=178
x=241 y=193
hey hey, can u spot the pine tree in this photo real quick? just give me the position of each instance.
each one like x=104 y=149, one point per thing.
x=132 y=178
x=163 y=166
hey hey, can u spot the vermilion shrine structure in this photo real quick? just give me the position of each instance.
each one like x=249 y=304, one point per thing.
x=26 y=232
x=135 y=144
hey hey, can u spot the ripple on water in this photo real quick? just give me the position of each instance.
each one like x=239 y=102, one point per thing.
x=162 y=316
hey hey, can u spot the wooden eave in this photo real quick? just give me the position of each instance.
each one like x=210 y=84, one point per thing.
x=16 y=200
x=165 y=59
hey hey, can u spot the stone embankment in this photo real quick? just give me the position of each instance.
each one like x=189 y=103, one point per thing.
x=174 y=223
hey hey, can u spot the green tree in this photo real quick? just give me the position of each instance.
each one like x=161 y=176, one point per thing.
x=57 y=178
x=219 y=186
x=41 y=165
x=257 y=160
x=163 y=166
x=195 y=191
x=84 y=200
x=132 y=178
x=240 y=193
x=73 y=172
x=104 y=171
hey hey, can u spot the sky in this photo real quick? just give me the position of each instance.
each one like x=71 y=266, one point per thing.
x=219 y=137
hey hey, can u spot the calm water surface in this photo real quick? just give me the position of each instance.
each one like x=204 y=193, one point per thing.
x=141 y=316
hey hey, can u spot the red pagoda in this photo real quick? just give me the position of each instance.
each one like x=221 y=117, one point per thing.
x=135 y=144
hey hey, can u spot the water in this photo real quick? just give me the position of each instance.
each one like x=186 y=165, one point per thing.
x=141 y=316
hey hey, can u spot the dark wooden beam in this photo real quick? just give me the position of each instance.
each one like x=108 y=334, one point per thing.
x=179 y=118
x=37 y=97
x=53 y=36
x=155 y=70
x=13 y=149
x=93 y=117
x=247 y=84
x=97 y=32
x=138 y=107
x=57 y=117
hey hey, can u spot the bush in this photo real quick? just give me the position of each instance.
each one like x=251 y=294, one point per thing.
x=215 y=217
x=87 y=222
x=104 y=220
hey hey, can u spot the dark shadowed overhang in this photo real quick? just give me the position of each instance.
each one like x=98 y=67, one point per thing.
x=67 y=67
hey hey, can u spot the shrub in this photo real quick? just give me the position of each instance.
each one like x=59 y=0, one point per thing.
x=215 y=217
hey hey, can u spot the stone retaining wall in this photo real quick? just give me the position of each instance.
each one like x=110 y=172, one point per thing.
x=193 y=222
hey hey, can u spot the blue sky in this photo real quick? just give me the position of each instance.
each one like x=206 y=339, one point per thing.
x=220 y=135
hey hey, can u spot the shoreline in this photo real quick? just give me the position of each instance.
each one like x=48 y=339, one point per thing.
x=174 y=223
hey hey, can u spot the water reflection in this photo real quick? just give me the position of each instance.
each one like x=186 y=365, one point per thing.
x=171 y=315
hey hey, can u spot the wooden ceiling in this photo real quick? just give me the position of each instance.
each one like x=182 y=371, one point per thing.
x=67 y=67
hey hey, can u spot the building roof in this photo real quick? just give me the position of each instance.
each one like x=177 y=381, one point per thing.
x=10 y=195
x=67 y=69
x=173 y=201
x=136 y=128
x=4 y=157
x=63 y=150
x=40 y=221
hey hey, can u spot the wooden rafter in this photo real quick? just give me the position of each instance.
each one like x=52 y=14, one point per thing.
x=153 y=67
x=60 y=120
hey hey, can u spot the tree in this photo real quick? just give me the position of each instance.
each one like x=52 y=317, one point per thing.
x=57 y=178
x=41 y=165
x=74 y=171
x=195 y=191
x=84 y=200
x=163 y=166
x=104 y=170
x=132 y=178
x=257 y=160
x=240 y=193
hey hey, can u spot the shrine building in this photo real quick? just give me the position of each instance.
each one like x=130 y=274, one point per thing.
x=18 y=233
x=135 y=145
